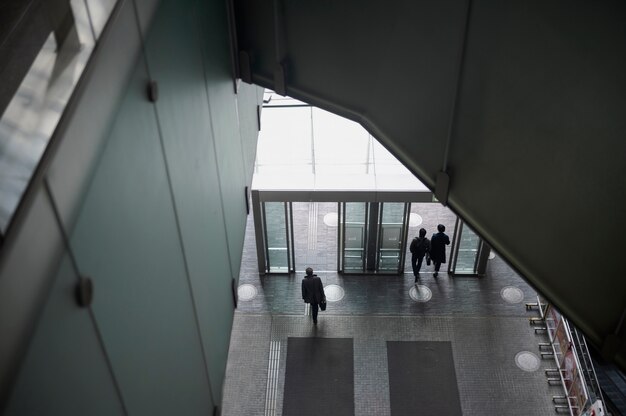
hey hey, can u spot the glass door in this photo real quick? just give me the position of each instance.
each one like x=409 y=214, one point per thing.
x=468 y=251
x=354 y=232
x=372 y=236
x=279 y=237
x=392 y=229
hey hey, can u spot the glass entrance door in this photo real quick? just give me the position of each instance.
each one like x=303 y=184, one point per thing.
x=354 y=232
x=372 y=237
x=278 y=237
x=392 y=228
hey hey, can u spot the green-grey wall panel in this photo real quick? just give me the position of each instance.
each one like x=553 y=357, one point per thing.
x=27 y=267
x=126 y=240
x=247 y=102
x=65 y=371
x=175 y=61
x=109 y=181
x=224 y=118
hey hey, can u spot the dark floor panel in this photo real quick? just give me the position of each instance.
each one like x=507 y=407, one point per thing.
x=422 y=379
x=319 y=378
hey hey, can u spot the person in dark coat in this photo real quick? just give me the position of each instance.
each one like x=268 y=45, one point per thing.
x=313 y=292
x=438 y=244
x=419 y=247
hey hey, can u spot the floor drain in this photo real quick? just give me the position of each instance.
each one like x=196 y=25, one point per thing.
x=334 y=293
x=527 y=361
x=420 y=293
x=415 y=220
x=331 y=219
x=246 y=292
x=512 y=294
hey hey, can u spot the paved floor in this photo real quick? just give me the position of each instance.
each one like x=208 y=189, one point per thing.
x=485 y=330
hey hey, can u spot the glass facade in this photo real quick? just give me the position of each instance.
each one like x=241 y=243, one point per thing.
x=32 y=115
x=323 y=151
x=308 y=155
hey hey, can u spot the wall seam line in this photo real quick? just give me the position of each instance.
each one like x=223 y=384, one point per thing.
x=92 y=317
x=175 y=209
x=215 y=160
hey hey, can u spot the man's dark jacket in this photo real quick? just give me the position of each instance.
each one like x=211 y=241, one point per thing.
x=312 y=289
x=438 y=247
x=419 y=246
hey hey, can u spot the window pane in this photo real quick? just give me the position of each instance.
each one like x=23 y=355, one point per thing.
x=285 y=140
x=341 y=145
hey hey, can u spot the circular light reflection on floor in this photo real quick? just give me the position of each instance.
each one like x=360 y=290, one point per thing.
x=334 y=293
x=492 y=255
x=420 y=293
x=331 y=219
x=415 y=220
x=512 y=294
x=246 y=292
x=527 y=361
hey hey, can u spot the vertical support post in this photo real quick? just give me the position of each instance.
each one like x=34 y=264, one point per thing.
x=291 y=252
x=287 y=236
x=482 y=258
x=456 y=237
x=340 y=224
x=405 y=235
x=371 y=242
x=259 y=232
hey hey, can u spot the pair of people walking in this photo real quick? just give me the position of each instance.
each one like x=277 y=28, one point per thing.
x=434 y=250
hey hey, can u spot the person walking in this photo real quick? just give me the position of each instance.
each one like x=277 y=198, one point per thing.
x=438 y=244
x=313 y=292
x=419 y=247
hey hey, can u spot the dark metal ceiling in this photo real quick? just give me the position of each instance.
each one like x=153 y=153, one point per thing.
x=520 y=105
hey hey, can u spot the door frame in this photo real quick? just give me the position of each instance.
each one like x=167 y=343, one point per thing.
x=334 y=196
